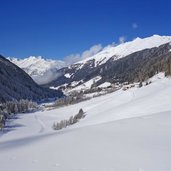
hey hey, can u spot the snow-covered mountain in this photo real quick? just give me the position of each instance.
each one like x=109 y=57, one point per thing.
x=41 y=70
x=122 y=63
x=15 y=84
x=125 y=49
x=55 y=73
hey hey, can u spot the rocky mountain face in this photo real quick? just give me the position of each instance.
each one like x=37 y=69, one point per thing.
x=41 y=70
x=15 y=84
x=129 y=62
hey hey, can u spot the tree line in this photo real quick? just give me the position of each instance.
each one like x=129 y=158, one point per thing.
x=13 y=107
x=72 y=120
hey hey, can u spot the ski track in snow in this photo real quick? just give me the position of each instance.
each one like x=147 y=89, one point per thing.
x=42 y=125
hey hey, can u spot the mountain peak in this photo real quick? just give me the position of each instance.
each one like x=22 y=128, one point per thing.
x=127 y=48
x=40 y=69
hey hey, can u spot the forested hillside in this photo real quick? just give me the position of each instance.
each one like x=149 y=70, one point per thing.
x=15 y=84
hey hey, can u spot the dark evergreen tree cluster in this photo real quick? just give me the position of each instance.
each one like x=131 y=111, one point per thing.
x=13 y=107
x=72 y=99
x=72 y=120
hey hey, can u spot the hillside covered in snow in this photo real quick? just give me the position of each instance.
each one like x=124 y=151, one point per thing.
x=122 y=131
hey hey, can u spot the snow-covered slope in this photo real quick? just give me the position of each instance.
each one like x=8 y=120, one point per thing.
x=123 y=131
x=41 y=70
x=127 y=48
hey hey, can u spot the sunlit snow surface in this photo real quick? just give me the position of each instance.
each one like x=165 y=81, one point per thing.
x=123 y=131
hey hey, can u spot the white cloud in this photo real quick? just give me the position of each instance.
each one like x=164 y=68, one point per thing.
x=70 y=59
x=134 y=25
x=46 y=77
x=122 y=39
x=88 y=53
x=92 y=51
x=73 y=58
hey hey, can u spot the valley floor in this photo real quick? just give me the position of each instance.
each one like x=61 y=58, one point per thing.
x=122 y=131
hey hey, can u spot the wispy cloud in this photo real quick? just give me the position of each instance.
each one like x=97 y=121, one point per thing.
x=46 y=77
x=92 y=51
x=122 y=39
x=134 y=25
x=70 y=59
x=73 y=58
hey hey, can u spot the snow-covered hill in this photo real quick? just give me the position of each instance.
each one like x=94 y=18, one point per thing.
x=123 y=131
x=41 y=70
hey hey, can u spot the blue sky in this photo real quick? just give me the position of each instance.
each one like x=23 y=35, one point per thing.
x=58 y=28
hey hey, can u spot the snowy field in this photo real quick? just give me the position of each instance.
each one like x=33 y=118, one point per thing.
x=122 y=131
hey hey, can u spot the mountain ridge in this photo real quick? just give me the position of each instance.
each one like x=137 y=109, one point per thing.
x=125 y=49
x=40 y=69
x=82 y=70
x=15 y=84
x=126 y=69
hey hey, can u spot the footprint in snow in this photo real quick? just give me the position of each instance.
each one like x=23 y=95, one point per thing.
x=56 y=164
x=34 y=161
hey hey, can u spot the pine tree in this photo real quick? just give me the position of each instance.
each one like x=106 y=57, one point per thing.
x=15 y=108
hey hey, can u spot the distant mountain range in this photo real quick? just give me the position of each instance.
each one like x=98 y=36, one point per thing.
x=41 y=70
x=132 y=61
x=128 y=62
x=15 y=84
